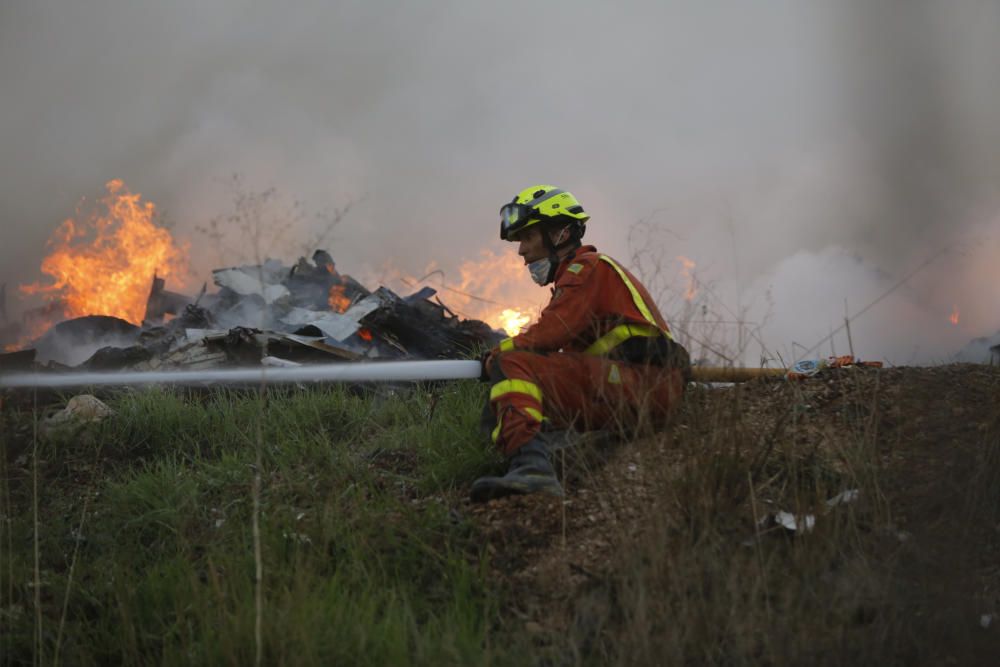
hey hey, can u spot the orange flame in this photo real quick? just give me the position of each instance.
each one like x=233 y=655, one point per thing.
x=499 y=289
x=954 y=315
x=687 y=270
x=338 y=299
x=494 y=288
x=104 y=264
x=365 y=334
x=513 y=320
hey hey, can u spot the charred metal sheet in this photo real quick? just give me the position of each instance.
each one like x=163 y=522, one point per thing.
x=294 y=347
x=162 y=302
x=116 y=358
x=426 y=334
x=337 y=326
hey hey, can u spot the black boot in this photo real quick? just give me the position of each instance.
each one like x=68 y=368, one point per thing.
x=530 y=471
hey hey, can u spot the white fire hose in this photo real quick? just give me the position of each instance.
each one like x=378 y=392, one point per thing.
x=380 y=371
x=376 y=371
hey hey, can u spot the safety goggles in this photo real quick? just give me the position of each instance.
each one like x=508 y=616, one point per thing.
x=513 y=218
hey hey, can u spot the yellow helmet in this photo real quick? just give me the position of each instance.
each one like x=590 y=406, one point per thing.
x=540 y=203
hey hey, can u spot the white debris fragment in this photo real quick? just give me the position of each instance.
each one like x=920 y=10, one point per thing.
x=301 y=316
x=338 y=326
x=843 y=498
x=245 y=284
x=789 y=521
x=278 y=362
x=985 y=621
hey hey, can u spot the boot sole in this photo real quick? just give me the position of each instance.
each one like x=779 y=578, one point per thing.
x=495 y=487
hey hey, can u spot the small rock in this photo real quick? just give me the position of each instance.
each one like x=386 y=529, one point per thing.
x=82 y=408
x=985 y=620
x=72 y=422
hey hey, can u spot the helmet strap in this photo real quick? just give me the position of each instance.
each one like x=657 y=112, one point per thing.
x=554 y=247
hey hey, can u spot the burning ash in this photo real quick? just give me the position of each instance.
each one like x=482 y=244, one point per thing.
x=104 y=263
x=953 y=318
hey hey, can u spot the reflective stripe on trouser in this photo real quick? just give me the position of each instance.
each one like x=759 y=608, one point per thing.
x=519 y=395
x=579 y=391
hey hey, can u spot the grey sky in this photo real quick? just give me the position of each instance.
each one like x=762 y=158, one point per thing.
x=762 y=134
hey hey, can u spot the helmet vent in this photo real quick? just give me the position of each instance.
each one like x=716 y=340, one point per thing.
x=538 y=193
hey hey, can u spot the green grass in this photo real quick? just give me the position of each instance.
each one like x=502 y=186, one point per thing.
x=357 y=568
x=147 y=548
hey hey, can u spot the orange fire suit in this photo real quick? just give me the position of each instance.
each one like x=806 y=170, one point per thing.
x=568 y=370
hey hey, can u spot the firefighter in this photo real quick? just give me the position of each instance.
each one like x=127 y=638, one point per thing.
x=599 y=356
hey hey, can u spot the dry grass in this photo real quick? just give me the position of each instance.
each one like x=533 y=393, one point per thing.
x=701 y=578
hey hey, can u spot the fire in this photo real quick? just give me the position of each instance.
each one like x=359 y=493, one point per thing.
x=500 y=290
x=687 y=270
x=512 y=321
x=104 y=264
x=954 y=315
x=338 y=299
x=495 y=288
x=365 y=334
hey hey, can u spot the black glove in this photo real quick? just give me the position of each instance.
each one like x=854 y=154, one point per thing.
x=486 y=360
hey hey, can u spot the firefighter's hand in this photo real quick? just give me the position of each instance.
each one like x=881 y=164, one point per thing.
x=487 y=360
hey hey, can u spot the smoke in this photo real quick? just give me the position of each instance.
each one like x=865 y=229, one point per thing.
x=779 y=142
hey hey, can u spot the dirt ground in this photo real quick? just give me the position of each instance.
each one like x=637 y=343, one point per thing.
x=930 y=427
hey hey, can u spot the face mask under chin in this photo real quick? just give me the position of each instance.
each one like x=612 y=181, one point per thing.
x=540 y=271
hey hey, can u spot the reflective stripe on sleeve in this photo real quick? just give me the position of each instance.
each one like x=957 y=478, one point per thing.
x=507 y=344
x=505 y=387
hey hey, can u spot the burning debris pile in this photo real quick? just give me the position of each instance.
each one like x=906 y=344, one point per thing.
x=103 y=313
x=270 y=314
